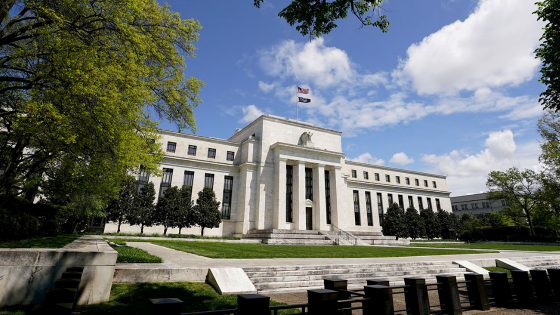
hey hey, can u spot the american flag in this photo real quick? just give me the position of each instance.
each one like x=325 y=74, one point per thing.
x=302 y=91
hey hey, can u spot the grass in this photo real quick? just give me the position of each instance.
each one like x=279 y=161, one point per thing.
x=135 y=255
x=252 y=250
x=169 y=236
x=16 y=310
x=494 y=246
x=436 y=241
x=58 y=241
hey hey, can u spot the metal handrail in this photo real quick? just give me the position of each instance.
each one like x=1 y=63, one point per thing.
x=341 y=234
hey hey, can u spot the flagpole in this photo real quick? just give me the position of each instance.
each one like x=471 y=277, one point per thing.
x=297 y=106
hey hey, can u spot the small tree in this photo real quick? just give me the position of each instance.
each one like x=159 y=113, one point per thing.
x=167 y=208
x=414 y=223
x=120 y=209
x=433 y=229
x=394 y=222
x=185 y=217
x=206 y=211
x=143 y=213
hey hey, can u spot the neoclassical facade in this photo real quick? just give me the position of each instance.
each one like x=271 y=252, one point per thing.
x=278 y=173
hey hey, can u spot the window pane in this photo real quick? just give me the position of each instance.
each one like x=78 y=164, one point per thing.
x=356 y=209
x=212 y=153
x=289 y=192
x=230 y=156
x=226 y=201
x=328 y=196
x=171 y=147
x=209 y=180
x=309 y=183
x=192 y=150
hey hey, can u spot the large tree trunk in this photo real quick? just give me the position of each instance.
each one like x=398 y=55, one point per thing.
x=201 y=231
x=530 y=223
x=142 y=228
x=119 y=228
x=180 y=230
x=165 y=230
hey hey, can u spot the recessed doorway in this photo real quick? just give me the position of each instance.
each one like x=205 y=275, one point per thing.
x=309 y=218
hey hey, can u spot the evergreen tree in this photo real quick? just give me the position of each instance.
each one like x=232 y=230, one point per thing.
x=394 y=222
x=446 y=222
x=414 y=223
x=206 y=211
x=143 y=213
x=185 y=217
x=431 y=223
x=120 y=209
x=167 y=208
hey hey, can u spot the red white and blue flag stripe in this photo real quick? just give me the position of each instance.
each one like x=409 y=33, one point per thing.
x=302 y=91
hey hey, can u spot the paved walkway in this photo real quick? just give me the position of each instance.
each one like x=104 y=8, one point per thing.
x=184 y=259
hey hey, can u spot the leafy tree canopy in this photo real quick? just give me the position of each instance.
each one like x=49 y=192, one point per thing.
x=549 y=12
x=207 y=210
x=394 y=222
x=318 y=17
x=167 y=208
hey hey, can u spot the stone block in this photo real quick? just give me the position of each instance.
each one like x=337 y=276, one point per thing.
x=228 y=281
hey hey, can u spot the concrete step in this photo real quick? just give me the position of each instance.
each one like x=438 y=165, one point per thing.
x=275 y=231
x=346 y=266
x=285 y=236
x=295 y=241
x=343 y=271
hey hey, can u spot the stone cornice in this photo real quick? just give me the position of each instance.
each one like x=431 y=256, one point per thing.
x=395 y=188
x=209 y=139
x=293 y=147
x=205 y=162
x=394 y=169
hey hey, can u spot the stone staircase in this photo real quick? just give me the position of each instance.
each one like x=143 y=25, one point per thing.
x=283 y=279
x=289 y=237
x=373 y=238
x=539 y=262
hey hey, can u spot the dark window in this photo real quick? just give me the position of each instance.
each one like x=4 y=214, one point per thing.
x=211 y=153
x=410 y=202
x=171 y=147
x=416 y=182
x=289 y=192
x=226 y=201
x=390 y=197
x=366 y=175
x=209 y=181
x=189 y=179
x=420 y=204
x=387 y=178
x=398 y=179
x=377 y=176
x=166 y=180
x=143 y=177
x=368 y=209
x=309 y=183
x=354 y=175
x=425 y=183
x=434 y=184
x=407 y=180
x=328 y=196
x=230 y=155
x=503 y=203
x=380 y=207
x=401 y=202
x=438 y=205
x=429 y=202
x=356 y=208
x=192 y=150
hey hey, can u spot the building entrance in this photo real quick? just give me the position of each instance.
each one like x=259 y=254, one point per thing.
x=309 y=218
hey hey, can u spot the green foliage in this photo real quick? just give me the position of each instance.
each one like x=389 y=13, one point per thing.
x=431 y=223
x=549 y=12
x=185 y=215
x=144 y=208
x=447 y=221
x=414 y=223
x=167 y=208
x=125 y=205
x=318 y=17
x=206 y=212
x=135 y=255
x=394 y=222
x=58 y=241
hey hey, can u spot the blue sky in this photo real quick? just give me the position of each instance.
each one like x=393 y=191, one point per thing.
x=451 y=89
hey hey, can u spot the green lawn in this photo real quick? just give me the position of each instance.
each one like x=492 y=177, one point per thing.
x=135 y=255
x=494 y=246
x=169 y=236
x=58 y=241
x=252 y=250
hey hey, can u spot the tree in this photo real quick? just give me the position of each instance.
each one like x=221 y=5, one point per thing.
x=206 y=211
x=185 y=217
x=549 y=12
x=394 y=222
x=433 y=229
x=144 y=211
x=414 y=223
x=78 y=80
x=167 y=208
x=120 y=209
x=318 y=17
x=520 y=189
x=447 y=221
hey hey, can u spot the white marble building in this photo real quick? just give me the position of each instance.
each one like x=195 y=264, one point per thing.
x=278 y=173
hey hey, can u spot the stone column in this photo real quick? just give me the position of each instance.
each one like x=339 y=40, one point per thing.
x=337 y=198
x=279 y=206
x=299 y=195
x=261 y=195
x=319 y=201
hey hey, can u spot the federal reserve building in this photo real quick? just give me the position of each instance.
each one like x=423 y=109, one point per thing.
x=282 y=176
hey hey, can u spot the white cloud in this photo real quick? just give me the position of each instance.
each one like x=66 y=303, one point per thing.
x=250 y=113
x=467 y=172
x=265 y=87
x=367 y=158
x=401 y=158
x=493 y=47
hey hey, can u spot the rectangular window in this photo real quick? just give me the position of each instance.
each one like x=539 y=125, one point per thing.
x=398 y=178
x=416 y=182
x=425 y=183
x=377 y=176
x=143 y=177
x=166 y=180
x=354 y=174
x=309 y=183
x=368 y=209
x=209 y=181
x=366 y=176
x=487 y=205
x=356 y=208
x=390 y=197
x=438 y=205
x=328 y=196
x=211 y=153
x=230 y=155
x=407 y=180
x=503 y=203
x=189 y=179
x=420 y=204
x=434 y=184
x=226 y=201
x=192 y=150
x=429 y=202
x=289 y=192
x=401 y=202
x=410 y=202
x=380 y=207
x=171 y=147
x=387 y=178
